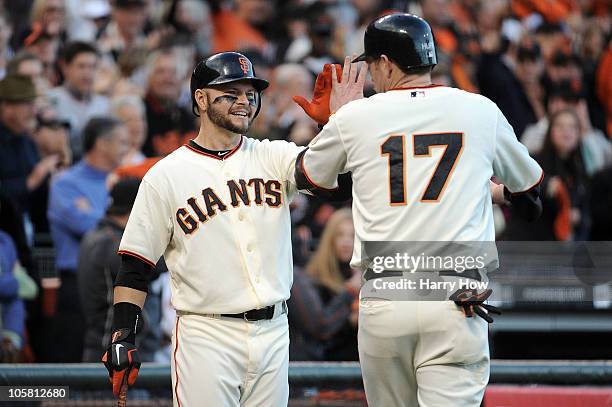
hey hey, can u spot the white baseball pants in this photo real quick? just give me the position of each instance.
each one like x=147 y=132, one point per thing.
x=422 y=354
x=228 y=362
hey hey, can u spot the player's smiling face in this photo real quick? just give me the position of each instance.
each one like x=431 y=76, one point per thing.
x=232 y=106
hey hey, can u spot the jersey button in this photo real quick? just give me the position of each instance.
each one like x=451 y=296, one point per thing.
x=250 y=248
x=241 y=216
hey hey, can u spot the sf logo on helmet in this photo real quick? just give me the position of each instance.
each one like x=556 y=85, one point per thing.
x=244 y=65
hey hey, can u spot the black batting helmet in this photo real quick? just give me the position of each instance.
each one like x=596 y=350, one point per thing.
x=405 y=38
x=225 y=67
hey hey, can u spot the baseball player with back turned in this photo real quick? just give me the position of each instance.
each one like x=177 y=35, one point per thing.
x=217 y=209
x=436 y=149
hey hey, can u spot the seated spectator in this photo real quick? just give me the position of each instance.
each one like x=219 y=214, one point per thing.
x=126 y=28
x=12 y=309
x=22 y=172
x=169 y=125
x=564 y=187
x=321 y=318
x=97 y=269
x=77 y=201
x=596 y=148
x=131 y=111
x=75 y=101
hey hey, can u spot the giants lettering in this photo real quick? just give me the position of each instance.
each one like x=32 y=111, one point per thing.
x=241 y=192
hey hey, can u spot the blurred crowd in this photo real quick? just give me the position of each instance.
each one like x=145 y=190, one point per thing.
x=94 y=92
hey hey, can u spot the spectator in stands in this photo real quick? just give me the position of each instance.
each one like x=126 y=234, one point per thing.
x=564 y=193
x=126 y=28
x=12 y=309
x=97 y=268
x=131 y=111
x=77 y=201
x=52 y=138
x=241 y=27
x=596 y=148
x=289 y=80
x=192 y=18
x=27 y=64
x=50 y=15
x=321 y=318
x=169 y=125
x=21 y=169
x=44 y=46
x=75 y=101
x=505 y=77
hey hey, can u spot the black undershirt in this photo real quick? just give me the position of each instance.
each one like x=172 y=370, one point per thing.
x=198 y=147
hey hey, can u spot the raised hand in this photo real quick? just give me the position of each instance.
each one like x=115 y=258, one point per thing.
x=348 y=86
x=318 y=108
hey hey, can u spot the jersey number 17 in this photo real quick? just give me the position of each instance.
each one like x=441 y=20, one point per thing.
x=394 y=148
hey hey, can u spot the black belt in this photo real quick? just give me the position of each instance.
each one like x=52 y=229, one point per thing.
x=471 y=274
x=257 y=314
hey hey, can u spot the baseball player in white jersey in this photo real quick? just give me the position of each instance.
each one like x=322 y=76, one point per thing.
x=217 y=209
x=421 y=157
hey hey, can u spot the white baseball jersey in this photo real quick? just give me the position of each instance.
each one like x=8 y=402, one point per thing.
x=221 y=223
x=421 y=160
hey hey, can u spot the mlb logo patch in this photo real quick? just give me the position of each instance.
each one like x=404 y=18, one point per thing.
x=417 y=94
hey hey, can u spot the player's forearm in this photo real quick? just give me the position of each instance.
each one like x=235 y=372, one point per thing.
x=127 y=294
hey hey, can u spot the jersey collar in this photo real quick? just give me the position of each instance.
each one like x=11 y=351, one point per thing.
x=199 y=150
x=417 y=87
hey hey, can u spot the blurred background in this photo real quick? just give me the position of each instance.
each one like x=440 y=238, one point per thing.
x=94 y=92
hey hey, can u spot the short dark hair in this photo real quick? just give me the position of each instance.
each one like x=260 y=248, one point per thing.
x=422 y=70
x=72 y=49
x=96 y=128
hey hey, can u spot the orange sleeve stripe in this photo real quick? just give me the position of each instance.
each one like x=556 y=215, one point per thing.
x=314 y=184
x=531 y=187
x=136 y=255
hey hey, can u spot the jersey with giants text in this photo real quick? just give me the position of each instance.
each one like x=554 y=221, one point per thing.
x=222 y=224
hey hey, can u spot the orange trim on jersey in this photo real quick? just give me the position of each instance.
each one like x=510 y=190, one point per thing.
x=138 y=256
x=418 y=87
x=450 y=173
x=176 y=329
x=531 y=187
x=224 y=157
x=403 y=137
x=314 y=184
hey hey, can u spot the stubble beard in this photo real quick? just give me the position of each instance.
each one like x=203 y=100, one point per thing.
x=224 y=121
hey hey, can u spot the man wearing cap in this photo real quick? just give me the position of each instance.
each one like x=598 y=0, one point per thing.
x=21 y=169
x=97 y=269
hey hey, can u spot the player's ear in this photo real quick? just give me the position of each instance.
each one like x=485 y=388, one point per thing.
x=386 y=65
x=201 y=100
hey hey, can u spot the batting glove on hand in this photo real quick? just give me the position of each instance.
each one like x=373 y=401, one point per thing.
x=473 y=302
x=318 y=108
x=122 y=360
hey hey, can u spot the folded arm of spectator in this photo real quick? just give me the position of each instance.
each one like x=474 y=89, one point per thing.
x=70 y=208
x=319 y=320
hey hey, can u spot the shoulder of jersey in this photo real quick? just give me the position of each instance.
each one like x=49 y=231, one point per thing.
x=166 y=164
